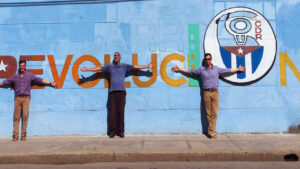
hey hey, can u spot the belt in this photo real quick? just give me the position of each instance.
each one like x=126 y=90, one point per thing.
x=211 y=90
x=22 y=95
x=118 y=91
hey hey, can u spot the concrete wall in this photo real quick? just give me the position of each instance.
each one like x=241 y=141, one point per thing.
x=166 y=32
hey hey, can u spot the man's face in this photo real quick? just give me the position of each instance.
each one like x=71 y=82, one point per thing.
x=117 y=57
x=208 y=60
x=22 y=67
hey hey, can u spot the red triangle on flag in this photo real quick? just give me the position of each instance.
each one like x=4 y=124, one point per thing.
x=240 y=50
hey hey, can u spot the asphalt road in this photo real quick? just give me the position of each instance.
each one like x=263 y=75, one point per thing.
x=163 y=165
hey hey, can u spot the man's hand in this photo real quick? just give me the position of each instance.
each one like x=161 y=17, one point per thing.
x=241 y=69
x=150 y=66
x=175 y=69
x=53 y=83
x=84 y=69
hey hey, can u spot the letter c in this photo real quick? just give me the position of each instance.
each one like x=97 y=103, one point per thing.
x=163 y=70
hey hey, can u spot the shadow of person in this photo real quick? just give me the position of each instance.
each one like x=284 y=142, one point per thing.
x=7 y=86
x=95 y=76
x=106 y=76
x=203 y=118
x=138 y=72
x=92 y=77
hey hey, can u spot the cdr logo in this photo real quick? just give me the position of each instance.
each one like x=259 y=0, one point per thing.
x=241 y=36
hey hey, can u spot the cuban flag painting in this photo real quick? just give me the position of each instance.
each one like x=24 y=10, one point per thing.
x=246 y=56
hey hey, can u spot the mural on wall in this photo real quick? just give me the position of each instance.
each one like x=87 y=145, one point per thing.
x=58 y=39
x=252 y=34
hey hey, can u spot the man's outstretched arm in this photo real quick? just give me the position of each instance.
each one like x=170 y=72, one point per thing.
x=143 y=66
x=53 y=83
x=7 y=82
x=178 y=69
x=240 y=69
x=95 y=69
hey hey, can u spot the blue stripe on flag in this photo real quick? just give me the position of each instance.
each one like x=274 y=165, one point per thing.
x=226 y=56
x=240 y=61
x=256 y=57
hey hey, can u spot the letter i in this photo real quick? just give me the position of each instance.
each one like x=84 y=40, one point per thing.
x=194 y=51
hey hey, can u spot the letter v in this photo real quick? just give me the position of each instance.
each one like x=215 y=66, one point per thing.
x=59 y=80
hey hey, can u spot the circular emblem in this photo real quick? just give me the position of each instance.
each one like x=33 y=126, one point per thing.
x=241 y=37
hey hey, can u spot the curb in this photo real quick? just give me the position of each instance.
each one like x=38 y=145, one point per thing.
x=81 y=158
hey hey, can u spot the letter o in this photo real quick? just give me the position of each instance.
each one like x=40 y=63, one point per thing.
x=75 y=68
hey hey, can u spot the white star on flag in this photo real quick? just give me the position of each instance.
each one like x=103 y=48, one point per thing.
x=240 y=50
x=3 y=66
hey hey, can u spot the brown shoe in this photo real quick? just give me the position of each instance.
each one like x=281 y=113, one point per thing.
x=15 y=138
x=212 y=135
x=23 y=138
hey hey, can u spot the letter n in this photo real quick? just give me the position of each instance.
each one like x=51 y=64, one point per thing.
x=284 y=60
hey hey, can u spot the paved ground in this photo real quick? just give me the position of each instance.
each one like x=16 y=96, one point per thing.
x=149 y=148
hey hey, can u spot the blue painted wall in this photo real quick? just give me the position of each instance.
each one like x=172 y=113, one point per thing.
x=145 y=27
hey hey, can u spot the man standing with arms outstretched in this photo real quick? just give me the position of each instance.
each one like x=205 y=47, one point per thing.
x=210 y=77
x=22 y=86
x=117 y=93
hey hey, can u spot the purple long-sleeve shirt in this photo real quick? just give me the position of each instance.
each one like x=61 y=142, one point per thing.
x=117 y=75
x=209 y=77
x=22 y=85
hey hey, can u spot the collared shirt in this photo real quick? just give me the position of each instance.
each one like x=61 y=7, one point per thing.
x=117 y=75
x=209 y=77
x=22 y=85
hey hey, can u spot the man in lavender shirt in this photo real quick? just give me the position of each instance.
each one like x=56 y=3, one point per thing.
x=210 y=77
x=117 y=94
x=21 y=83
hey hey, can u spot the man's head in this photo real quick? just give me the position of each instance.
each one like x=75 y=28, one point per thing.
x=117 y=57
x=22 y=66
x=208 y=59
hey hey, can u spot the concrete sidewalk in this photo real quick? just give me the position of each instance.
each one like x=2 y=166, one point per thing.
x=138 y=148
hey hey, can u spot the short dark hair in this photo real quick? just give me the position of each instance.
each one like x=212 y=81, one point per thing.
x=22 y=61
x=206 y=54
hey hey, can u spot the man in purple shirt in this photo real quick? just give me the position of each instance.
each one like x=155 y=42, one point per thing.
x=210 y=78
x=21 y=83
x=117 y=94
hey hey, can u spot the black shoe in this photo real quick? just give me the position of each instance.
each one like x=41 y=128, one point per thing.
x=121 y=135
x=111 y=135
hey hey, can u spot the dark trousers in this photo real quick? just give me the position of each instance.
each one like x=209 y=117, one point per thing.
x=117 y=100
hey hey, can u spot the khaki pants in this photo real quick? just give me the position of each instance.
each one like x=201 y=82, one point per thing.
x=211 y=100
x=21 y=103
